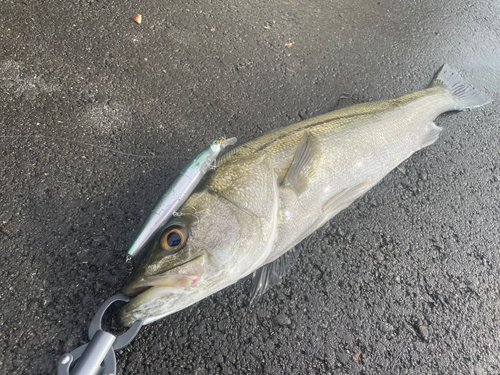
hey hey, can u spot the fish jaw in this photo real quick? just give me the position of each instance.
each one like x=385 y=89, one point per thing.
x=159 y=301
x=147 y=304
x=185 y=275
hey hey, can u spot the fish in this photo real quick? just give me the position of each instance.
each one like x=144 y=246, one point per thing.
x=267 y=195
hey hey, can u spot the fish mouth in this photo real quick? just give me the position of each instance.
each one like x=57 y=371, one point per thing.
x=184 y=275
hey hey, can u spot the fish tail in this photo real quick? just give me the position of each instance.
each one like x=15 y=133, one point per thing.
x=465 y=95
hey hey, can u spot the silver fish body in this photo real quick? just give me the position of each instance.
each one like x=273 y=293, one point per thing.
x=269 y=194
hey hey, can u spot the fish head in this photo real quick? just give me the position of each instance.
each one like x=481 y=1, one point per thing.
x=208 y=246
x=221 y=234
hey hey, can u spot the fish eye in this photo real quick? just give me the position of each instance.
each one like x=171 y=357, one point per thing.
x=173 y=238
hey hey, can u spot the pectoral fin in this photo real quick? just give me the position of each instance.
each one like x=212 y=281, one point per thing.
x=303 y=165
x=271 y=274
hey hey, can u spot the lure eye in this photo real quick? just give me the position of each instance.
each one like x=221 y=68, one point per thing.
x=173 y=238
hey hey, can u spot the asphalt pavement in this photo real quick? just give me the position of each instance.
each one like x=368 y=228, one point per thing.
x=98 y=113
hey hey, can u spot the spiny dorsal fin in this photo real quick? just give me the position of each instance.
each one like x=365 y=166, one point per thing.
x=271 y=274
x=303 y=164
x=348 y=101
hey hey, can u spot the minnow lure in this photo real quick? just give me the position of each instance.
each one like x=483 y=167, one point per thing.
x=177 y=192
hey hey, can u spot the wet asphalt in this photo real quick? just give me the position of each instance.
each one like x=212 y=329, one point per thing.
x=99 y=113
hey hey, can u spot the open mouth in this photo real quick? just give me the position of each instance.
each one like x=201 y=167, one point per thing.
x=184 y=275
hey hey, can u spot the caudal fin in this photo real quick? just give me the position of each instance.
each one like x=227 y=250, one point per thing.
x=465 y=96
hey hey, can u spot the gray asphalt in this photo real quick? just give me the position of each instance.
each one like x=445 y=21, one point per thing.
x=98 y=114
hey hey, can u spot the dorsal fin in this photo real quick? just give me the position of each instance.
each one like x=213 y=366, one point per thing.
x=348 y=100
x=303 y=164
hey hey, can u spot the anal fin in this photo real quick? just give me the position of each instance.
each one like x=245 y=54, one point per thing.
x=303 y=164
x=271 y=274
x=431 y=135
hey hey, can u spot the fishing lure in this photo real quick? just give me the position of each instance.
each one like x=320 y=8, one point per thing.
x=177 y=193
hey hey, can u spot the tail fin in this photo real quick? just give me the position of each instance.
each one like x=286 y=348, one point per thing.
x=465 y=96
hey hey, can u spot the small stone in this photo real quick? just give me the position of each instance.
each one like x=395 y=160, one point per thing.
x=356 y=354
x=423 y=331
x=223 y=325
x=47 y=301
x=5 y=217
x=282 y=320
x=387 y=327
